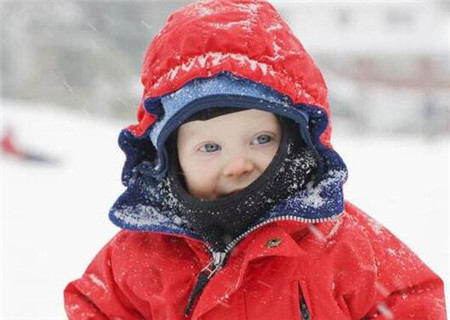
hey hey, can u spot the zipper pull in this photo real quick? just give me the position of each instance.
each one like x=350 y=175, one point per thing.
x=214 y=265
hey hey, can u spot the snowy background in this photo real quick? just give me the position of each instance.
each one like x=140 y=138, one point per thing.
x=69 y=84
x=54 y=217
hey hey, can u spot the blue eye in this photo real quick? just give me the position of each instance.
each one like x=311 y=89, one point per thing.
x=262 y=139
x=210 y=147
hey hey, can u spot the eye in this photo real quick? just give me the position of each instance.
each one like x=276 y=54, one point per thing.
x=210 y=147
x=262 y=139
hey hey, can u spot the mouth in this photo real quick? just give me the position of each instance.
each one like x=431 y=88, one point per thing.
x=232 y=192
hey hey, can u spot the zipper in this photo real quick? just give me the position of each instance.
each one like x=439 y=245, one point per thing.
x=214 y=265
x=218 y=258
x=304 y=312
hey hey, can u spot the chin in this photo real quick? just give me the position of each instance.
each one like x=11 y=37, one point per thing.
x=204 y=197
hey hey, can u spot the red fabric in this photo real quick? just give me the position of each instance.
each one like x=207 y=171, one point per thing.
x=246 y=37
x=8 y=146
x=350 y=268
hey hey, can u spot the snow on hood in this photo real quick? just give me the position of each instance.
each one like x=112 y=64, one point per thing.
x=204 y=40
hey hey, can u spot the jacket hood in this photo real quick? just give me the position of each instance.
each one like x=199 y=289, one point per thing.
x=245 y=37
x=241 y=50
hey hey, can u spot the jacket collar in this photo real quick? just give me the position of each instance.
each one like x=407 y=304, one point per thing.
x=139 y=207
x=279 y=239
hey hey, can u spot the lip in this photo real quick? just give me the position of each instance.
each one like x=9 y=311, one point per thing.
x=227 y=194
x=233 y=192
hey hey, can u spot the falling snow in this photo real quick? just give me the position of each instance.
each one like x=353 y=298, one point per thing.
x=91 y=182
x=385 y=311
x=97 y=281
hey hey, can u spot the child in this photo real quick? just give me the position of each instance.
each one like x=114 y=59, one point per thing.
x=234 y=206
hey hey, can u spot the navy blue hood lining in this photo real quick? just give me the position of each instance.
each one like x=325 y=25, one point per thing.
x=196 y=95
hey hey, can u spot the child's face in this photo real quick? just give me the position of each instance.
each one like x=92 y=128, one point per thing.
x=225 y=154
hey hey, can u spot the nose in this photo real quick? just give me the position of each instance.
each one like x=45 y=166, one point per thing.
x=238 y=167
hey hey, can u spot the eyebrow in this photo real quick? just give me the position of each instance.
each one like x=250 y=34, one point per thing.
x=194 y=130
x=192 y=134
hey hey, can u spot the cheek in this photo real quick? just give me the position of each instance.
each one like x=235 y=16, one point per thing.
x=200 y=179
x=265 y=157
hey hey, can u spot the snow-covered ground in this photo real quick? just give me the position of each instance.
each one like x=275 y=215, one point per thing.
x=54 y=217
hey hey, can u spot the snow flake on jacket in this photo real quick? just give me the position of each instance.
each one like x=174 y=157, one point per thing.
x=312 y=256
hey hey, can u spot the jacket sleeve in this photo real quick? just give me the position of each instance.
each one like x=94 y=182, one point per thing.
x=96 y=295
x=404 y=287
x=422 y=301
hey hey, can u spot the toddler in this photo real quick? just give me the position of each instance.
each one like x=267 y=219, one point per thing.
x=234 y=206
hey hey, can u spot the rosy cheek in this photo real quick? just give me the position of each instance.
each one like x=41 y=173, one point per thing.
x=201 y=182
x=265 y=158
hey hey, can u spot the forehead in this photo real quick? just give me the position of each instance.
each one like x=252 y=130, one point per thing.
x=242 y=121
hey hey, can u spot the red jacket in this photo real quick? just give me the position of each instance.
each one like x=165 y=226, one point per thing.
x=350 y=268
x=347 y=267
